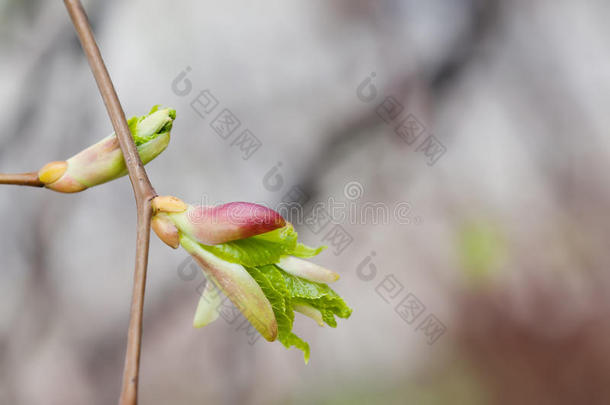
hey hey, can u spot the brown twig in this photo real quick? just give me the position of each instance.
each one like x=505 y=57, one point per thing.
x=21 y=179
x=143 y=191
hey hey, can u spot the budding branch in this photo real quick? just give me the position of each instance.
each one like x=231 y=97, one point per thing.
x=143 y=191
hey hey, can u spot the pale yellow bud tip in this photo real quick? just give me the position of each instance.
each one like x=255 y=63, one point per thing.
x=311 y=312
x=52 y=171
x=168 y=203
x=166 y=230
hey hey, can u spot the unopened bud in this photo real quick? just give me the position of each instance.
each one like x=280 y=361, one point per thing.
x=166 y=230
x=168 y=203
x=104 y=161
x=227 y=222
x=52 y=171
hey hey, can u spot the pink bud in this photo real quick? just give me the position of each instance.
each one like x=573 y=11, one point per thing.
x=227 y=222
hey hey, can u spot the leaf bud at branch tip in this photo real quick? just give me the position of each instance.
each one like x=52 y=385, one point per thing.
x=103 y=161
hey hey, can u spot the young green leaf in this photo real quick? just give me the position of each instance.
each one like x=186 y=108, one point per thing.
x=304 y=251
x=263 y=270
x=286 y=291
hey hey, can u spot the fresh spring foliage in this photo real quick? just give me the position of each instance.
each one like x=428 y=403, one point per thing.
x=259 y=255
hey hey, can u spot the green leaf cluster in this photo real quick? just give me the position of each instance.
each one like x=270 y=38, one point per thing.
x=258 y=254
x=284 y=291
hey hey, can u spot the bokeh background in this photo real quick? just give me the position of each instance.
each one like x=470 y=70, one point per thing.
x=500 y=252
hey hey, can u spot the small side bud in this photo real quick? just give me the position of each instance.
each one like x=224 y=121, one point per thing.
x=52 y=171
x=56 y=176
x=166 y=230
x=168 y=203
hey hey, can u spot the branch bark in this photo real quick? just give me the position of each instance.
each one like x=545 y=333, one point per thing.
x=143 y=191
x=21 y=179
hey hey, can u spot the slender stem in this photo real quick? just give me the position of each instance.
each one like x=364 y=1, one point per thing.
x=21 y=179
x=143 y=191
x=139 y=179
x=129 y=391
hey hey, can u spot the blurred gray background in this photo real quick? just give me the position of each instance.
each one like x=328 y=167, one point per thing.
x=505 y=241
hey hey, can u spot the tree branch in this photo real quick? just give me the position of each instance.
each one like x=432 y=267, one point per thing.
x=143 y=192
x=21 y=179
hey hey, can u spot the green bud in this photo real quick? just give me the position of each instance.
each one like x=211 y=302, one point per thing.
x=103 y=161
